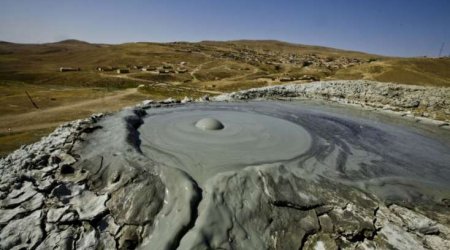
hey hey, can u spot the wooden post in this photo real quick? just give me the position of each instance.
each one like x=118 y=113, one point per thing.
x=31 y=100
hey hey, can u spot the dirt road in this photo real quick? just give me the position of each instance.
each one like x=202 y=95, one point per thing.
x=171 y=85
x=51 y=117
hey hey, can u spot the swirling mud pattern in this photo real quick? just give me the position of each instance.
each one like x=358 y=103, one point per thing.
x=391 y=161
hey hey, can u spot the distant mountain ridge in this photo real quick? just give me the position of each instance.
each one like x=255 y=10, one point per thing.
x=239 y=41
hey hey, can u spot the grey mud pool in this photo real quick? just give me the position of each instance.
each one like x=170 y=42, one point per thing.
x=353 y=147
x=259 y=175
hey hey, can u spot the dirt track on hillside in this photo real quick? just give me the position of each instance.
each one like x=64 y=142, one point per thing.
x=51 y=117
x=172 y=85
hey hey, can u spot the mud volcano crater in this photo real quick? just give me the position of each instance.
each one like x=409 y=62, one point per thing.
x=244 y=165
x=203 y=140
x=232 y=175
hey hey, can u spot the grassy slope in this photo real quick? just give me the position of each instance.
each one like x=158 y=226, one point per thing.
x=285 y=47
x=415 y=71
x=38 y=64
x=70 y=95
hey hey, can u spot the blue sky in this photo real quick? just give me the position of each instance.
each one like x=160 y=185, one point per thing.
x=394 y=27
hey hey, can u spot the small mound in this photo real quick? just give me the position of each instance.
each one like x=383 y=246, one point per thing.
x=209 y=124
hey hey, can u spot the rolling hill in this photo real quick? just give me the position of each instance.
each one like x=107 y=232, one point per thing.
x=176 y=69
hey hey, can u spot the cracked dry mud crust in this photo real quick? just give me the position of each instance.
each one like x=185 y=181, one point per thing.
x=89 y=185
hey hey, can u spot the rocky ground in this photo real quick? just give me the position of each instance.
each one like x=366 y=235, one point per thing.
x=410 y=101
x=60 y=193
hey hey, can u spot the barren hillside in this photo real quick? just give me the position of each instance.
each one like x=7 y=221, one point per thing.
x=90 y=82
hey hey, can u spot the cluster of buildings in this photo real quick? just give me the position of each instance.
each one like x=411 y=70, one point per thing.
x=166 y=68
x=300 y=60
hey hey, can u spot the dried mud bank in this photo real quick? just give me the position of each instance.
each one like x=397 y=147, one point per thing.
x=120 y=182
x=427 y=104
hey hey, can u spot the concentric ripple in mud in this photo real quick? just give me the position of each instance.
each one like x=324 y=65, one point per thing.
x=389 y=160
x=246 y=139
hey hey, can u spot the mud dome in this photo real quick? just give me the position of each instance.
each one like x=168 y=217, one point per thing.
x=209 y=124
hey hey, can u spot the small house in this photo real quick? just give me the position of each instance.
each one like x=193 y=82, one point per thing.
x=123 y=71
x=165 y=71
x=108 y=68
x=67 y=69
x=286 y=79
x=149 y=68
x=309 y=78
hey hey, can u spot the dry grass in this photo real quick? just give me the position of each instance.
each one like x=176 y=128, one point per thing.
x=415 y=71
x=15 y=100
x=71 y=95
x=161 y=92
x=10 y=141
x=164 y=78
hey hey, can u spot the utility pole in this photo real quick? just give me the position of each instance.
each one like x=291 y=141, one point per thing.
x=442 y=49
